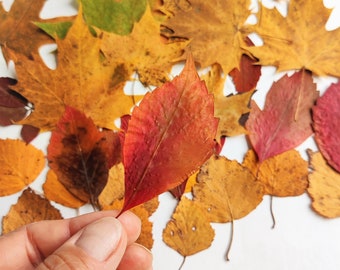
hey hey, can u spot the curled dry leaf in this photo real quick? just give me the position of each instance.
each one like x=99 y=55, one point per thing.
x=324 y=187
x=29 y=208
x=286 y=121
x=326 y=116
x=20 y=165
x=226 y=190
x=170 y=134
x=283 y=175
x=189 y=230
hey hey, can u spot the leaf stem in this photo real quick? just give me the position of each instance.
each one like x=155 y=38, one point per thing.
x=231 y=240
x=181 y=266
x=272 y=212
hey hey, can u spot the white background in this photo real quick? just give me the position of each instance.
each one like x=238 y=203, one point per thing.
x=300 y=240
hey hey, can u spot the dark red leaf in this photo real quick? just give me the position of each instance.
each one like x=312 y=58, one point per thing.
x=28 y=133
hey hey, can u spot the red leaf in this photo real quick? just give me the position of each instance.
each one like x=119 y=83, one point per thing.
x=326 y=116
x=169 y=136
x=246 y=77
x=28 y=133
x=78 y=153
x=286 y=119
x=13 y=106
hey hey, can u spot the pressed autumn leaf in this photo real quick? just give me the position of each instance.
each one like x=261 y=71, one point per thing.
x=18 y=33
x=185 y=187
x=285 y=122
x=283 y=175
x=78 y=154
x=287 y=40
x=326 y=123
x=324 y=187
x=20 y=165
x=113 y=16
x=143 y=51
x=81 y=80
x=226 y=190
x=228 y=109
x=188 y=231
x=55 y=29
x=211 y=26
x=29 y=208
x=170 y=134
x=13 y=106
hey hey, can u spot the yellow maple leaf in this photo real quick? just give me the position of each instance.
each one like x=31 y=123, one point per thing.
x=324 y=187
x=298 y=41
x=81 y=80
x=213 y=28
x=143 y=51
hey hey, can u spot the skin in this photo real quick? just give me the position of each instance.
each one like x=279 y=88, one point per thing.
x=92 y=241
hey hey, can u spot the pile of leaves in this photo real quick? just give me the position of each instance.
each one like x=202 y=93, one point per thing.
x=169 y=139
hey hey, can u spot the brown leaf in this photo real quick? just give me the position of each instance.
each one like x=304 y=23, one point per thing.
x=283 y=175
x=29 y=208
x=226 y=190
x=189 y=230
x=20 y=165
x=324 y=186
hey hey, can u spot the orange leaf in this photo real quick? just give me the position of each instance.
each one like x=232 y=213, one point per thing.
x=226 y=190
x=169 y=136
x=29 y=208
x=324 y=187
x=189 y=230
x=20 y=165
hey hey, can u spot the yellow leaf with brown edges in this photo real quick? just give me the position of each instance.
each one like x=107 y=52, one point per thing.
x=189 y=230
x=21 y=164
x=282 y=175
x=143 y=51
x=226 y=190
x=81 y=80
x=324 y=186
x=29 y=208
x=56 y=191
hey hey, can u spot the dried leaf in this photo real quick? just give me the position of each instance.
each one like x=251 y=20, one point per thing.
x=283 y=175
x=20 y=165
x=287 y=40
x=78 y=154
x=285 y=121
x=29 y=208
x=324 y=187
x=169 y=136
x=188 y=231
x=226 y=190
x=326 y=117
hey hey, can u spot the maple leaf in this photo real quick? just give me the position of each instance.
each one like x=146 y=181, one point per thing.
x=228 y=109
x=78 y=153
x=20 y=165
x=211 y=26
x=283 y=175
x=17 y=33
x=285 y=122
x=287 y=40
x=170 y=134
x=13 y=106
x=226 y=190
x=326 y=117
x=113 y=16
x=188 y=231
x=81 y=80
x=143 y=51
x=29 y=208
x=324 y=187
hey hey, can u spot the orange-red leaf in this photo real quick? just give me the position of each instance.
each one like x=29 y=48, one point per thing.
x=169 y=136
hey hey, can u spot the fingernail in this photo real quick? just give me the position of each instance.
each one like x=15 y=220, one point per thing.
x=100 y=238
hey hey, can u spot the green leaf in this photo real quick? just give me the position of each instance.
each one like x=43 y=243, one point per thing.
x=112 y=15
x=55 y=30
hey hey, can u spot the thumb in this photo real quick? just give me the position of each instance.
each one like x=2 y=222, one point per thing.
x=100 y=245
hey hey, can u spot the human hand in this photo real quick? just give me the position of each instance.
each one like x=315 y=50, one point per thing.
x=92 y=241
